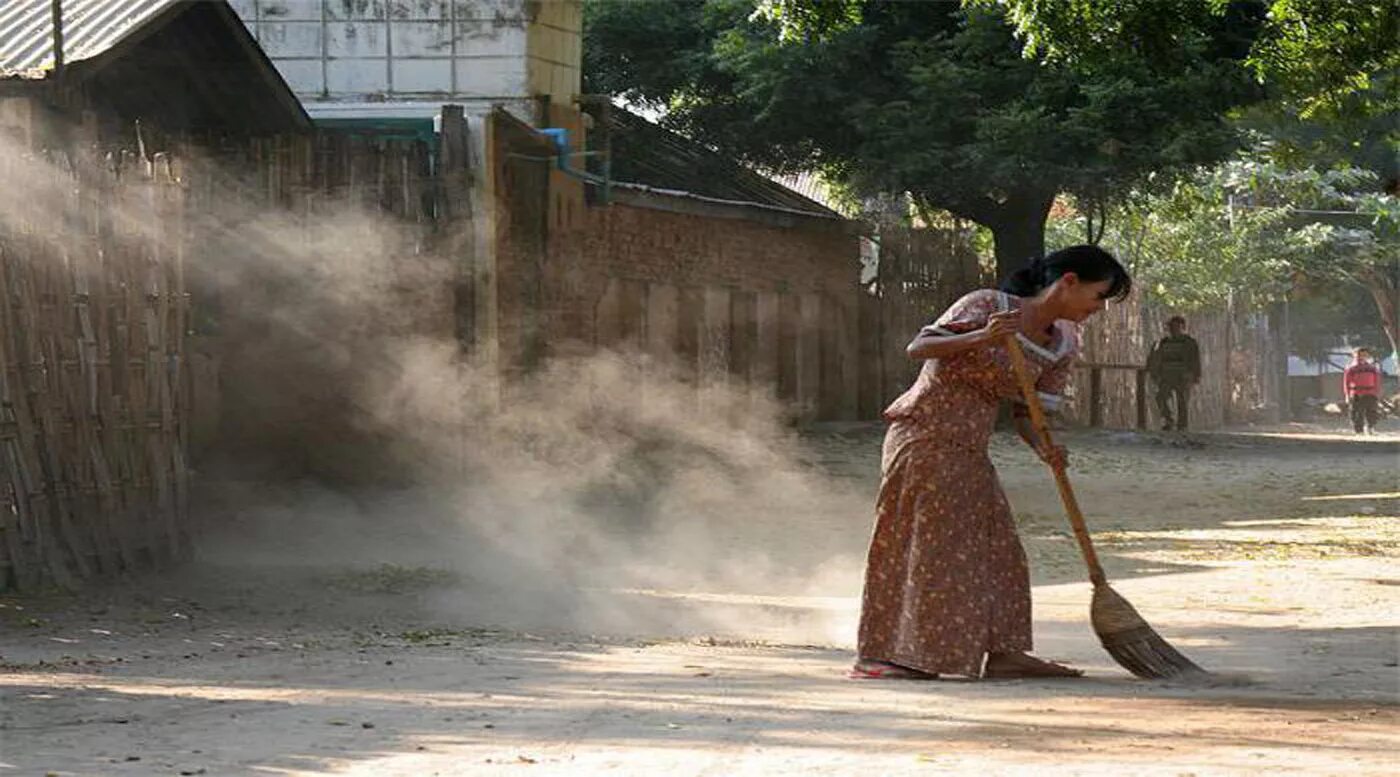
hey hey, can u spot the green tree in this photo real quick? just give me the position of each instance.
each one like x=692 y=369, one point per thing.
x=1324 y=316
x=1358 y=243
x=1260 y=231
x=1317 y=55
x=1331 y=67
x=930 y=100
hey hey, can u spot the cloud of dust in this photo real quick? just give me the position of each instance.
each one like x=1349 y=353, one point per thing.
x=603 y=507
x=596 y=495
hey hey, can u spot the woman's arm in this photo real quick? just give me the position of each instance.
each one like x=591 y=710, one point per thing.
x=1050 y=388
x=935 y=345
x=1057 y=456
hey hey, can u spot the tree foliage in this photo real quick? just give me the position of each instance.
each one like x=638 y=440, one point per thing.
x=1333 y=57
x=1258 y=231
x=1332 y=315
x=932 y=100
x=1319 y=55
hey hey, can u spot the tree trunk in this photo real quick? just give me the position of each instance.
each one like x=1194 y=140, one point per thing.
x=1385 y=293
x=1017 y=225
x=1019 y=232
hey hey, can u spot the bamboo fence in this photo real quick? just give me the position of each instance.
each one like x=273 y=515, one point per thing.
x=93 y=399
x=98 y=344
x=1240 y=363
x=922 y=273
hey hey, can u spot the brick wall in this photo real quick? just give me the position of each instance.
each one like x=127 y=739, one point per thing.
x=753 y=302
x=757 y=301
x=709 y=294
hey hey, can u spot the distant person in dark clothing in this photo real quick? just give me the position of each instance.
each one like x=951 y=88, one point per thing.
x=1175 y=366
x=1362 y=385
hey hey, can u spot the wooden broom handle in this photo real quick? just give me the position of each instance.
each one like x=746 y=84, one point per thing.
x=1042 y=430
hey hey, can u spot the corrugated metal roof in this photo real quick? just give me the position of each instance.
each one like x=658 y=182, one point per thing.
x=646 y=153
x=90 y=27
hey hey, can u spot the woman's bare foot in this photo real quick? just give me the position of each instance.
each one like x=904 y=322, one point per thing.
x=866 y=669
x=1008 y=666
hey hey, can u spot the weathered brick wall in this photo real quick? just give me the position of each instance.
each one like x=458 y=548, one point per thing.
x=722 y=296
x=716 y=295
x=755 y=302
x=777 y=253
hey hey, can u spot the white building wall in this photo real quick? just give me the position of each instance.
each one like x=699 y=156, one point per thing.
x=405 y=58
x=555 y=50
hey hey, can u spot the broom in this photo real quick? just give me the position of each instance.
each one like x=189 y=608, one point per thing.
x=1123 y=633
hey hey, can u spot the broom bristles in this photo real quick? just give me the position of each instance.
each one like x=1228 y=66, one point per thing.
x=1131 y=642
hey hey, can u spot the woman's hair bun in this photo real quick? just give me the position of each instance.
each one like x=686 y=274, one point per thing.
x=1027 y=281
x=1087 y=262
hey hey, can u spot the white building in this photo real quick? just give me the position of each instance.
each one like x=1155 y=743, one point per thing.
x=391 y=66
x=397 y=61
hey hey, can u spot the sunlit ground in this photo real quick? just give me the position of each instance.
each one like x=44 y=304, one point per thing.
x=1272 y=565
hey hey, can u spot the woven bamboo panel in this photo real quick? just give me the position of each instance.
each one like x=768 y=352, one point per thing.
x=93 y=315
x=1239 y=364
x=922 y=273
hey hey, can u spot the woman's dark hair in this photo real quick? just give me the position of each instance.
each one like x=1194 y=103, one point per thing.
x=1089 y=263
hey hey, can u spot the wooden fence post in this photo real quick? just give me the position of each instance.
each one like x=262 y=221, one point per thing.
x=1228 y=390
x=1095 y=396
x=1140 y=397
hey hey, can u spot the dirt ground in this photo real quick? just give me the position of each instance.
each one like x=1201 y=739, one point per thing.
x=1269 y=558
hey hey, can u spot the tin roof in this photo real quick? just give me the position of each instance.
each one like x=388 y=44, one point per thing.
x=646 y=153
x=90 y=27
x=183 y=65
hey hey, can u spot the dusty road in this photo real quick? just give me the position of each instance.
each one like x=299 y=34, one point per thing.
x=1269 y=559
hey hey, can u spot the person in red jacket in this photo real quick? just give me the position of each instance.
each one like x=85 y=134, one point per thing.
x=1362 y=384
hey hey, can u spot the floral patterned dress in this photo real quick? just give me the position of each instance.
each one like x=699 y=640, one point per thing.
x=946 y=580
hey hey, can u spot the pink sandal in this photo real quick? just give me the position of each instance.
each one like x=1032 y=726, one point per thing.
x=883 y=670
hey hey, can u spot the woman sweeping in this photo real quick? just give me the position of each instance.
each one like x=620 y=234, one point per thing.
x=947 y=589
